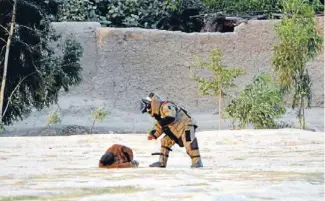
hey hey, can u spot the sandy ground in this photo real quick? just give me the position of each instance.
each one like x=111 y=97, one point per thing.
x=286 y=165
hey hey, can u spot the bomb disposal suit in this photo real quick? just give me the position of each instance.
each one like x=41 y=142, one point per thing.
x=177 y=125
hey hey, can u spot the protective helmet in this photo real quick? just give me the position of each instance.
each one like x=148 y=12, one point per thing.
x=145 y=105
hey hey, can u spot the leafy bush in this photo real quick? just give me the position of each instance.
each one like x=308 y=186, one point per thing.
x=117 y=13
x=54 y=118
x=232 y=6
x=182 y=15
x=259 y=104
x=175 y=15
x=135 y=13
x=252 y=6
x=77 y=10
x=168 y=14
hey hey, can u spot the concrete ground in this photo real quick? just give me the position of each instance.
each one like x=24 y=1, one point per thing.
x=254 y=165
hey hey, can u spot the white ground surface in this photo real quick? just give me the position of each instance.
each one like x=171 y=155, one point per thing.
x=286 y=165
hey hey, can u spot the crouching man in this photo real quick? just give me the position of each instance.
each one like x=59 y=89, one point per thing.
x=118 y=156
x=177 y=125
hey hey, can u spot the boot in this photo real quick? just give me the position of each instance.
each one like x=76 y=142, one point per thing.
x=197 y=164
x=162 y=161
x=157 y=164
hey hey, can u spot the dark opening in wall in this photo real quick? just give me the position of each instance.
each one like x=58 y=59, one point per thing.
x=219 y=24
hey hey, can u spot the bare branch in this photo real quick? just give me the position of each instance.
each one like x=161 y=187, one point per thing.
x=13 y=91
x=29 y=28
x=2 y=49
x=3 y=41
x=4 y=28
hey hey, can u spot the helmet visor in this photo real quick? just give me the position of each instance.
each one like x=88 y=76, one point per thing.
x=144 y=105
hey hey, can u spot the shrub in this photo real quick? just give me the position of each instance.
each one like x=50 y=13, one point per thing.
x=252 y=6
x=54 y=118
x=77 y=10
x=259 y=104
x=157 y=14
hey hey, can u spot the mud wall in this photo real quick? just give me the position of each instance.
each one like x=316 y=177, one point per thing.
x=123 y=65
x=120 y=66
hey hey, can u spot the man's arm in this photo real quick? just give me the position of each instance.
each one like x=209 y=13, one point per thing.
x=131 y=164
x=156 y=132
x=128 y=152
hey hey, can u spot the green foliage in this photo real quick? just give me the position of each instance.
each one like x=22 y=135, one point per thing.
x=223 y=79
x=77 y=10
x=252 y=6
x=182 y=15
x=98 y=115
x=299 y=43
x=117 y=13
x=54 y=118
x=175 y=15
x=135 y=13
x=157 y=14
x=240 y=7
x=259 y=104
x=2 y=128
x=36 y=73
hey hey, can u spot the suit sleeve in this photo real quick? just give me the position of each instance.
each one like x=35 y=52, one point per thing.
x=157 y=131
x=168 y=113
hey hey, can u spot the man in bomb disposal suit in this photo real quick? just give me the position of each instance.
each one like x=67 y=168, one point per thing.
x=177 y=125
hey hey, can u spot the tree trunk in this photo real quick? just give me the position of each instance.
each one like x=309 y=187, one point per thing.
x=91 y=129
x=301 y=114
x=220 y=97
x=5 y=67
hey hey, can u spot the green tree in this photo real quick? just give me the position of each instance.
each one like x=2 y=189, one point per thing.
x=98 y=115
x=222 y=80
x=299 y=43
x=35 y=73
x=260 y=103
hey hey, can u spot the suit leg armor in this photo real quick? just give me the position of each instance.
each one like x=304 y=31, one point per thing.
x=166 y=144
x=192 y=146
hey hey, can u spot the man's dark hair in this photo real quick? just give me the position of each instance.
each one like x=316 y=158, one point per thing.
x=107 y=159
